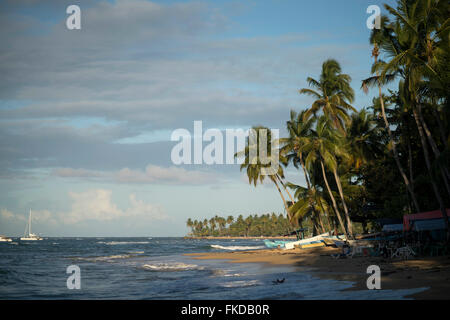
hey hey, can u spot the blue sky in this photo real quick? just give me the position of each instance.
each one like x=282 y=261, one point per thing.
x=86 y=115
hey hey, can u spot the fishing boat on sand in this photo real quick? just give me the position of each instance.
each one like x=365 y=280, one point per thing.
x=316 y=241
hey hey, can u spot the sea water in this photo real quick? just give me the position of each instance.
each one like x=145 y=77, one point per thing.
x=155 y=268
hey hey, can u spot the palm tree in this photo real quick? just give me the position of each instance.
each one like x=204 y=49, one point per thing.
x=254 y=167
x=310 y=201
x=292 y=150
x=322 y=147
x=377 y=80
x=412 y=57
x=222 y=223
x=333 y=94
x=190 y=224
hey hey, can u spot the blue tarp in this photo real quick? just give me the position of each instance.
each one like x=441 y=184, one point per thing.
x=393 y=227
x=432 y=224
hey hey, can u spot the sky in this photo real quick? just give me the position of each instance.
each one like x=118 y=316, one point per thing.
x=86 y=115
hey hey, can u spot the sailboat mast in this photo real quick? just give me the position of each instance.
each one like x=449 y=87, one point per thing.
x=29 y=224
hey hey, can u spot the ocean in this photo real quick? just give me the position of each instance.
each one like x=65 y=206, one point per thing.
x=155 y=268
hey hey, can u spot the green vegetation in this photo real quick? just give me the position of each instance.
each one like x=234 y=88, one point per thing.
x=251 y=226
x=386 y=160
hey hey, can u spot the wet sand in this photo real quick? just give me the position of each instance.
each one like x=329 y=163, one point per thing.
x=432 y=272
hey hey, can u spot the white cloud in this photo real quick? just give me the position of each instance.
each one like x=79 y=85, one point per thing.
x=44 y=216
x=170 y=175
x=97 y=205
x=76 y=173
x=6 y=214
x=152 y=174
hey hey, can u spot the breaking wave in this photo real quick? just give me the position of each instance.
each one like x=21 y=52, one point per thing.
x=216 y=246
x=113 y=243
x=171 y=266
x=240 y=284
x=106 y=258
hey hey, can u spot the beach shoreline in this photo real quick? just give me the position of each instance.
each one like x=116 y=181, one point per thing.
x=432 y=273
x=239 y=238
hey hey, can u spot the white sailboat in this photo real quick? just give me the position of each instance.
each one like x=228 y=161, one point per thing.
x=28 y=236
x=5 y=239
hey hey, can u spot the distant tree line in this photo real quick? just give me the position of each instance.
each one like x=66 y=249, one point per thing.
x=251 y=226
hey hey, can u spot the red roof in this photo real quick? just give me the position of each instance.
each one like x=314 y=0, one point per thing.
x=408 y=218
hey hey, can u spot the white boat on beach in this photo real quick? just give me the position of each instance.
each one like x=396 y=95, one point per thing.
x=5 y=239
x=316 y=239
x=28 y=236
x=313 y=241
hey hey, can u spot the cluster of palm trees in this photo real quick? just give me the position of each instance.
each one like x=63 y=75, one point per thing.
x=354 y=161
x=250 y=226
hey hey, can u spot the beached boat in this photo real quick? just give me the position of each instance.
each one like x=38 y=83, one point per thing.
x=275 y=243
x=5 y=239
x=28 y=236
x=309 y=241
x=313 y=245
x=320 y=240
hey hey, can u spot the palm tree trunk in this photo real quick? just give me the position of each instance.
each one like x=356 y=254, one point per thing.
x=327 y=216
x=308 y=183
x=395 y=152
x=333 y=200
x=441 y=127
x=391 y=138
x=284 y=200
x=285 y=189
x=427 y=161
x=341 y=193
x=444 y=171
x=321 y=223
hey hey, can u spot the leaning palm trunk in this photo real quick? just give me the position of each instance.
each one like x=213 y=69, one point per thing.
x=326 y=215
x=308 y=183
x=441 y=127
x=282 y=197
x=437 y=154
x=391 y=138
x=321 y=223
x=427 y=161
x=396 y=157
x=333 y=200
x=341 y=193
x=285 y=189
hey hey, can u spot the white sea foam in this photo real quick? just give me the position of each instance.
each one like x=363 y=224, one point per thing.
x=216 y=246
x=171 y=266
x=106 y=258
x=241 y=283
x=113 y=243
x=226 y=273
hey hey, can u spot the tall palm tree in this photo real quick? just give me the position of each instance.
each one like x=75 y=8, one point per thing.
x=322 y=147
x=361 y=138
x=412 y=60
x=333 y=94
x=255 y=168
x=310 y=202
x=292 y=151
x=377 y=80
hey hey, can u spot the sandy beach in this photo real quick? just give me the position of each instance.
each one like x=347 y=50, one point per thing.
x=431 y=272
